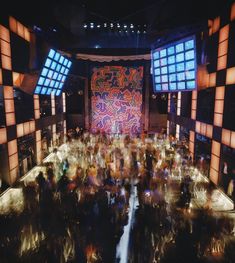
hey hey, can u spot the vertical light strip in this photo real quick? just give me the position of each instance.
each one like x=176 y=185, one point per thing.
x=64 y=102
x=169 y=103
x=219 y=106
x=65 y=130
x=36 y=107
x=38 y=146
x=177 y=134
x=54 y=134
x=52 y=104
x=215 y=162
x=191 y=143
x=168 y=128
x=223 y=48
x=179 y=104
x=3 y=135
x=194 y=105
x=13 y=161
x=5 y=48
x=9 y=105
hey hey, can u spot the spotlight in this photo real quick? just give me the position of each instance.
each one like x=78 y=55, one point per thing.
x=85 y=25
x=54 y=30
x=126 y=31
x=144 y=32
x=131 y=26
x=118 y=25
x=120 y=31
x=98 y=26
x=133 y=31
x=125 y=26
x=91 y=25
x=111 y=25
x=154 y=96
x=138 y=32
x=105 y=24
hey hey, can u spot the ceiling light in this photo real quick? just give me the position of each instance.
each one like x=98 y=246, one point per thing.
x=125 y=26
x=131 y=26
x=105 y=24
x=85 y=26
x=98 y=26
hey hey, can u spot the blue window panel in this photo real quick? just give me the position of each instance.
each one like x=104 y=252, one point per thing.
x=172 y=86
x=53 y=65
x=41 y=81
x=171 y=59
x=44 y=90
x=172 y=77
x=180 y=57
x=171 y=69
x=44 y=72
x=191 y=84
x=37 y=90
x=58 y=92
x=156 y=63
x=180 y=67
x=49 y=91
x=164 y=70
x=63 y=78
x=52 y=83
x=69 y=64
x=47 y=81
x=59 y=77
x=171 y=50
x=56 y=84
x=163 y=61
x=181 y=85
x=179 y=48
x=165 y=86
x=180 y=76
x=61 y=59
x=156 y=55
x=61 y=85
x=162 y=53
x=158 y=80
x=58 y=67
x=157 y=71
x=65 y=62
x=57 y=56
x=51 y=53
x=62 y=70
x=48 y=62
x=55 y=75
x=189 y=44
x=66 y=71
x=158 y=87
x=50 y=74
x=53 y=91
x=164 y=78
x=190 y=65
x=190 y=74
x=189 y=55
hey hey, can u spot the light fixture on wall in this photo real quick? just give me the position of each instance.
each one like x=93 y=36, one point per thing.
x=154 y=96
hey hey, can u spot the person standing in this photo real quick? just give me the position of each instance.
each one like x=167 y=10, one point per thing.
x=225 y=176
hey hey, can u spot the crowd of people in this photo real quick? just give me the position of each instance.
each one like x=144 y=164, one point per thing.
x=77 y=210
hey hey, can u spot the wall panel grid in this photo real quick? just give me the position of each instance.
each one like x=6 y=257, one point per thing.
x=204 y=129
x=19 y=29
x=223 y=48
x=219 y=106
x=9 y=105
x=5 y=48
x=13 y=160
x=25 y=128
x=228 y=138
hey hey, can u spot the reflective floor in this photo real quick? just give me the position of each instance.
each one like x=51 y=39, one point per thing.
x=116 y=199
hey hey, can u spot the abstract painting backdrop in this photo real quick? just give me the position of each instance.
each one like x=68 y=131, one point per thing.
x=116 y=101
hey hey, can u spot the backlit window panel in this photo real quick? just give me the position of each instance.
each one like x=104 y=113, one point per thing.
x=174 y=66
x=53 y=74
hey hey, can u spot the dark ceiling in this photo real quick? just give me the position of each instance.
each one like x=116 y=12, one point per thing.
x=64 y=20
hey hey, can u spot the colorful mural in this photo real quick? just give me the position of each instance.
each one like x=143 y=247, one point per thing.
x=116 y=101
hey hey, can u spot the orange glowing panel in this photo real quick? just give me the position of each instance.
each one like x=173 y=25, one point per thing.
x=13 y=24
x=13 y=161
x=20 y=29
x=215 y=162
x=17 y=78
x=26 y=34
x=226 y=137
x=224 y=33
x=8 y=92
x=3 y=135
x=198 y=127
x=38 y=135
x=39 y=157
x=5 y=48
x=10 y=119
x=0 y=76
x=20 y=130
x=212 y=79
x=12 y=147
x=223 y=48
x=9 y=106
x=218 y=119
x=13 y=175
x=38 y=146
x=202 y=77
x=203 y=129
x=219 y=95
x=230 y=76
x=214 y=175
x=6 y=62
x=219 y=106
x=194 y=95
x=32 y=126
x=191 y=136
x=37 y=114
x=36 y=104
x=210 y=24
x=216 y=24
x=194 y=104
x=4 y=33
x=26 y=128
x=232 y=15
x=193 y=114
x=232 y=144
x=216 y=148
x=222 y=62
x=209 y=131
